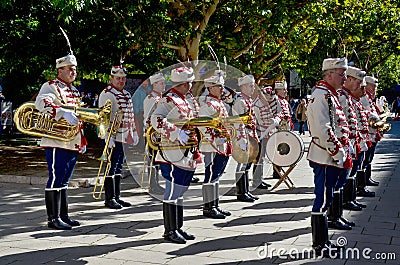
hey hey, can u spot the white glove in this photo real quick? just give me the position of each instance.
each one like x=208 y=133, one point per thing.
x=375 y=116
x=111 y=143
x=83 y=149
x=341 y=161
x=222 y=140
x=135 y=138
x=276 y=122
x=71 y=118
x=243 y=146
x=351 y=150
x=364 y=147
x=183 y=137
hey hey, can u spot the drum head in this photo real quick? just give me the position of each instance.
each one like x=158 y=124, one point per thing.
x=285 y=148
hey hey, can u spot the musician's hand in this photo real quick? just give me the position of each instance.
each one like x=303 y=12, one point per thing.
x=375 y=116
x=135 y=138
x=243 y=146
x=351 y=150
x=276 y=122
x=341 y=161
x=264 y=134
x=222 y=140
x=71 y=117
x=111 y=143
x=183 y=137
x=83 y=149
x=364 y=147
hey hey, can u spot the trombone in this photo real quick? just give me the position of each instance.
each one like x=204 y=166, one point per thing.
x=106 y=156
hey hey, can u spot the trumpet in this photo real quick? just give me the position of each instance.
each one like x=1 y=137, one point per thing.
x=31 y=121
x=154 y=141
x=106 y=156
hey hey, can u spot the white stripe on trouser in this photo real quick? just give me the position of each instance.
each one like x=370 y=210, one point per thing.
x=212 y=156
x=171 y=192
x=52 y=167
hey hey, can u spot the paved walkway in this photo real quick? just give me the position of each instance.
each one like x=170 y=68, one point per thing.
x=273 y=230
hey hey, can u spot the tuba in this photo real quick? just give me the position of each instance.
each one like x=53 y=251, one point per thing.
x=30 y=121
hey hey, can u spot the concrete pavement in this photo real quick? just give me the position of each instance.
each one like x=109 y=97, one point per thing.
x=273 y=230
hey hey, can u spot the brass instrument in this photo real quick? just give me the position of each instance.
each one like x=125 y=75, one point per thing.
x=153 y=138
x=382 y=124
x=242 y=156
x=30 y=121
x=106 y=156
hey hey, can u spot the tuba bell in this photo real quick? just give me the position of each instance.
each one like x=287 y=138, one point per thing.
x=30 y=121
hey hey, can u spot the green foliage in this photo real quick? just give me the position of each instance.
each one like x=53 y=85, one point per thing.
x=261 y=37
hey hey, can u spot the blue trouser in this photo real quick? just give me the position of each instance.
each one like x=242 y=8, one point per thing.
x=215 y=166
x=342 y=179
x=117 y=160
x=177 y=181
x=369 y=155
x=357 y=164
x=60 y=164
x=325 y=179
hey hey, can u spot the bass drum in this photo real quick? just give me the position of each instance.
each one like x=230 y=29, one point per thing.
x=285 y=148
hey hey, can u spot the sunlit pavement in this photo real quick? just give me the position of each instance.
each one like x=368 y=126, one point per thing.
x=274 y=229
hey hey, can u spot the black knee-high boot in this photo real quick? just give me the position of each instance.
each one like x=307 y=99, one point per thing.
x=117 y=181
x=53 y=205
x=344 y=220
x=179 y=207
x=348 y=203
x=64 y=210
x=246 y=182
x=369 y=180
x=216 y=190
x=354 y=194
x=241 y=192
x=209 y=208
x=109 y=193
x=361 y=185
x=334 y=214
x=320 y=239
x=258 y=183
x=171 y=223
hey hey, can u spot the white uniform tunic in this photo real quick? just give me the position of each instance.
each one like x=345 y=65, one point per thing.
x=212 y=140
x=51 y=97
x=372 y=111
x=244 y=104
x=265 y=111
x=173 y=107
x=328 y=127
x=121 y=100
x=149 y=105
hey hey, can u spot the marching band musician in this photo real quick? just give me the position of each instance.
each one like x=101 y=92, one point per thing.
x=367 y=100
x=328 y=154
x=244 y=104
x=215 y=146
x=61 y=156
x=150 y=103
x=283 y=115
x=364 y=142
x=121 y=100
x=335 y=212
x=177 y=165
x=264 y=107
